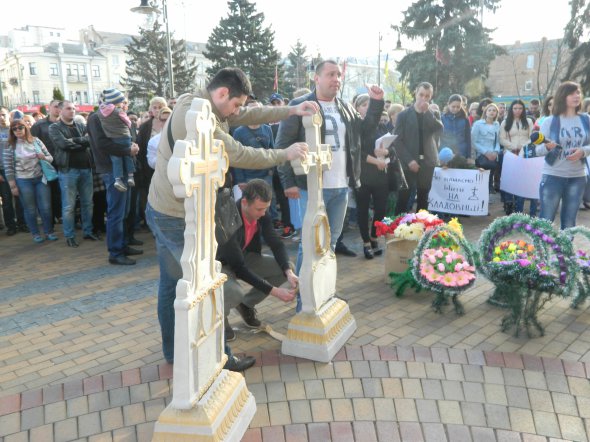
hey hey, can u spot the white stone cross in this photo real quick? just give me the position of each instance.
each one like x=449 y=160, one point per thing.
x=317 y=278
x=324 y=324
x=196 y=170
x=208 y=402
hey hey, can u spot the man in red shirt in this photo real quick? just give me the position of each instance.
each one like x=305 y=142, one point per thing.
x=242 y=258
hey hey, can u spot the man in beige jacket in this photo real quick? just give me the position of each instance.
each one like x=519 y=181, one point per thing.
x=227 y=93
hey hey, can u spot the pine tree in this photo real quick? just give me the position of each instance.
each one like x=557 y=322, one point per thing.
x=147 y=66
x=576 y=31
x=296 y=71
x=457 y=50
x=57 y=94
x=241 y=41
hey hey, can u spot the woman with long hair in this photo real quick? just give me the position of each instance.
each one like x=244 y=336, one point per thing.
x=25 y=177
x=485 y=141
x=564 y=171
x=515 y=132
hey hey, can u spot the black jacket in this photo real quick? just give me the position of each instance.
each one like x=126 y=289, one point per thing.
x=102 y=146
x=291 y=131
x=145 y=172
x=232 y=255
x=60 y=135
x=406 y=144
x=41 y=130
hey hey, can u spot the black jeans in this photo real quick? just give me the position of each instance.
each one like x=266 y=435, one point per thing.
x=421 y=181
x=8 y=208
x=379 y=195
x=483 y=162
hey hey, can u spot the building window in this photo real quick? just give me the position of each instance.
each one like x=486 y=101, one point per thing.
x=83 y=70
x=69 y=70
x=74 y=70
x=95 y=71
x=530 y=62
x=59 y=34
x=528 y=85
x=33 y=68
x=51 y=33
x=53 y=70
x=85 y=97
x=115 y=60
x=36 y=97
x=78 y=97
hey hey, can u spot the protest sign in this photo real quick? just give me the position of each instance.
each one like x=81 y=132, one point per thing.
x=521 y=176
x=459 y=191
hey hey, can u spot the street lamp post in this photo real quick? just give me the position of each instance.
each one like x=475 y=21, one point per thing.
x=145 y=8
x=379 y=61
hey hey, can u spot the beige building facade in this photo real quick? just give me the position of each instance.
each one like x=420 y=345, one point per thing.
x=35 y=59
x=528 y=70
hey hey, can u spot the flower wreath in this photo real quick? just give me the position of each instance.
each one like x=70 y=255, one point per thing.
x=523 y=275
x=446 y=268
x=582 y=259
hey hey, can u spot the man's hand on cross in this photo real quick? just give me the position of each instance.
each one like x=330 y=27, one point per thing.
x=297 y=151
x=307 y=108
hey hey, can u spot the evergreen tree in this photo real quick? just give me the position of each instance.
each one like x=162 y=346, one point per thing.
x=241 y=41
x=457 y=50
x=147 y=66
x=57 y=94
x=575 y=32
x=297 y=69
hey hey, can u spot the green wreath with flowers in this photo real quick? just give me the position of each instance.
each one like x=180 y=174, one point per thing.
x=444 y=263
x=582 y=258
x=526 y=273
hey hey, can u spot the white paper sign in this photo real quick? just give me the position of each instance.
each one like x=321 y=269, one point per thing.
x=459 y=191
x=521 y=176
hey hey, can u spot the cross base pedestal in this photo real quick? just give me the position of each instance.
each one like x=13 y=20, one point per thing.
x=223 y=414
x=320 y=335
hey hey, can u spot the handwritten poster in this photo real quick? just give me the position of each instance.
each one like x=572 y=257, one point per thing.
x=459 y=191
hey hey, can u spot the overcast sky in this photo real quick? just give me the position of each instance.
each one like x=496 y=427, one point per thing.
x=332 y=28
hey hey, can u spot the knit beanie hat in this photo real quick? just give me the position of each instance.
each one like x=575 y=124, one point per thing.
x=112 y=96
x=445 y=155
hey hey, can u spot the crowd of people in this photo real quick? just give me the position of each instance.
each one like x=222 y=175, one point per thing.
x=111 y=170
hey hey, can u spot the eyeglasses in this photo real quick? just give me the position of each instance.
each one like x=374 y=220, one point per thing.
x=15 y=128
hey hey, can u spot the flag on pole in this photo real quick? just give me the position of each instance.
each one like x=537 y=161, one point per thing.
x=386 y=66
x=276 y=85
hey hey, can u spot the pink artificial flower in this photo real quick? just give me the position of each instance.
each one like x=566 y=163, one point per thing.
x=441 y=267
x=432 y=259
x=439 y=253
x=449 y=280
x=458 y=267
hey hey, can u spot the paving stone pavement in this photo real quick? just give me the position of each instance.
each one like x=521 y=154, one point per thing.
x=81 y=358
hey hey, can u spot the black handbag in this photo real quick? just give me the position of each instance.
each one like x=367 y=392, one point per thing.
x=227 y=216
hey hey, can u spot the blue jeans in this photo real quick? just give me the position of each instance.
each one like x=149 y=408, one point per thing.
x=519 y=207
x=122 y=166
x=75 y=182
x=35 y=195
x=169 y=234
x=335 y=201
x=117 y=209
x=569 y=191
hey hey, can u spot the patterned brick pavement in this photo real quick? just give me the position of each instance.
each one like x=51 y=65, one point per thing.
x=81 y=359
